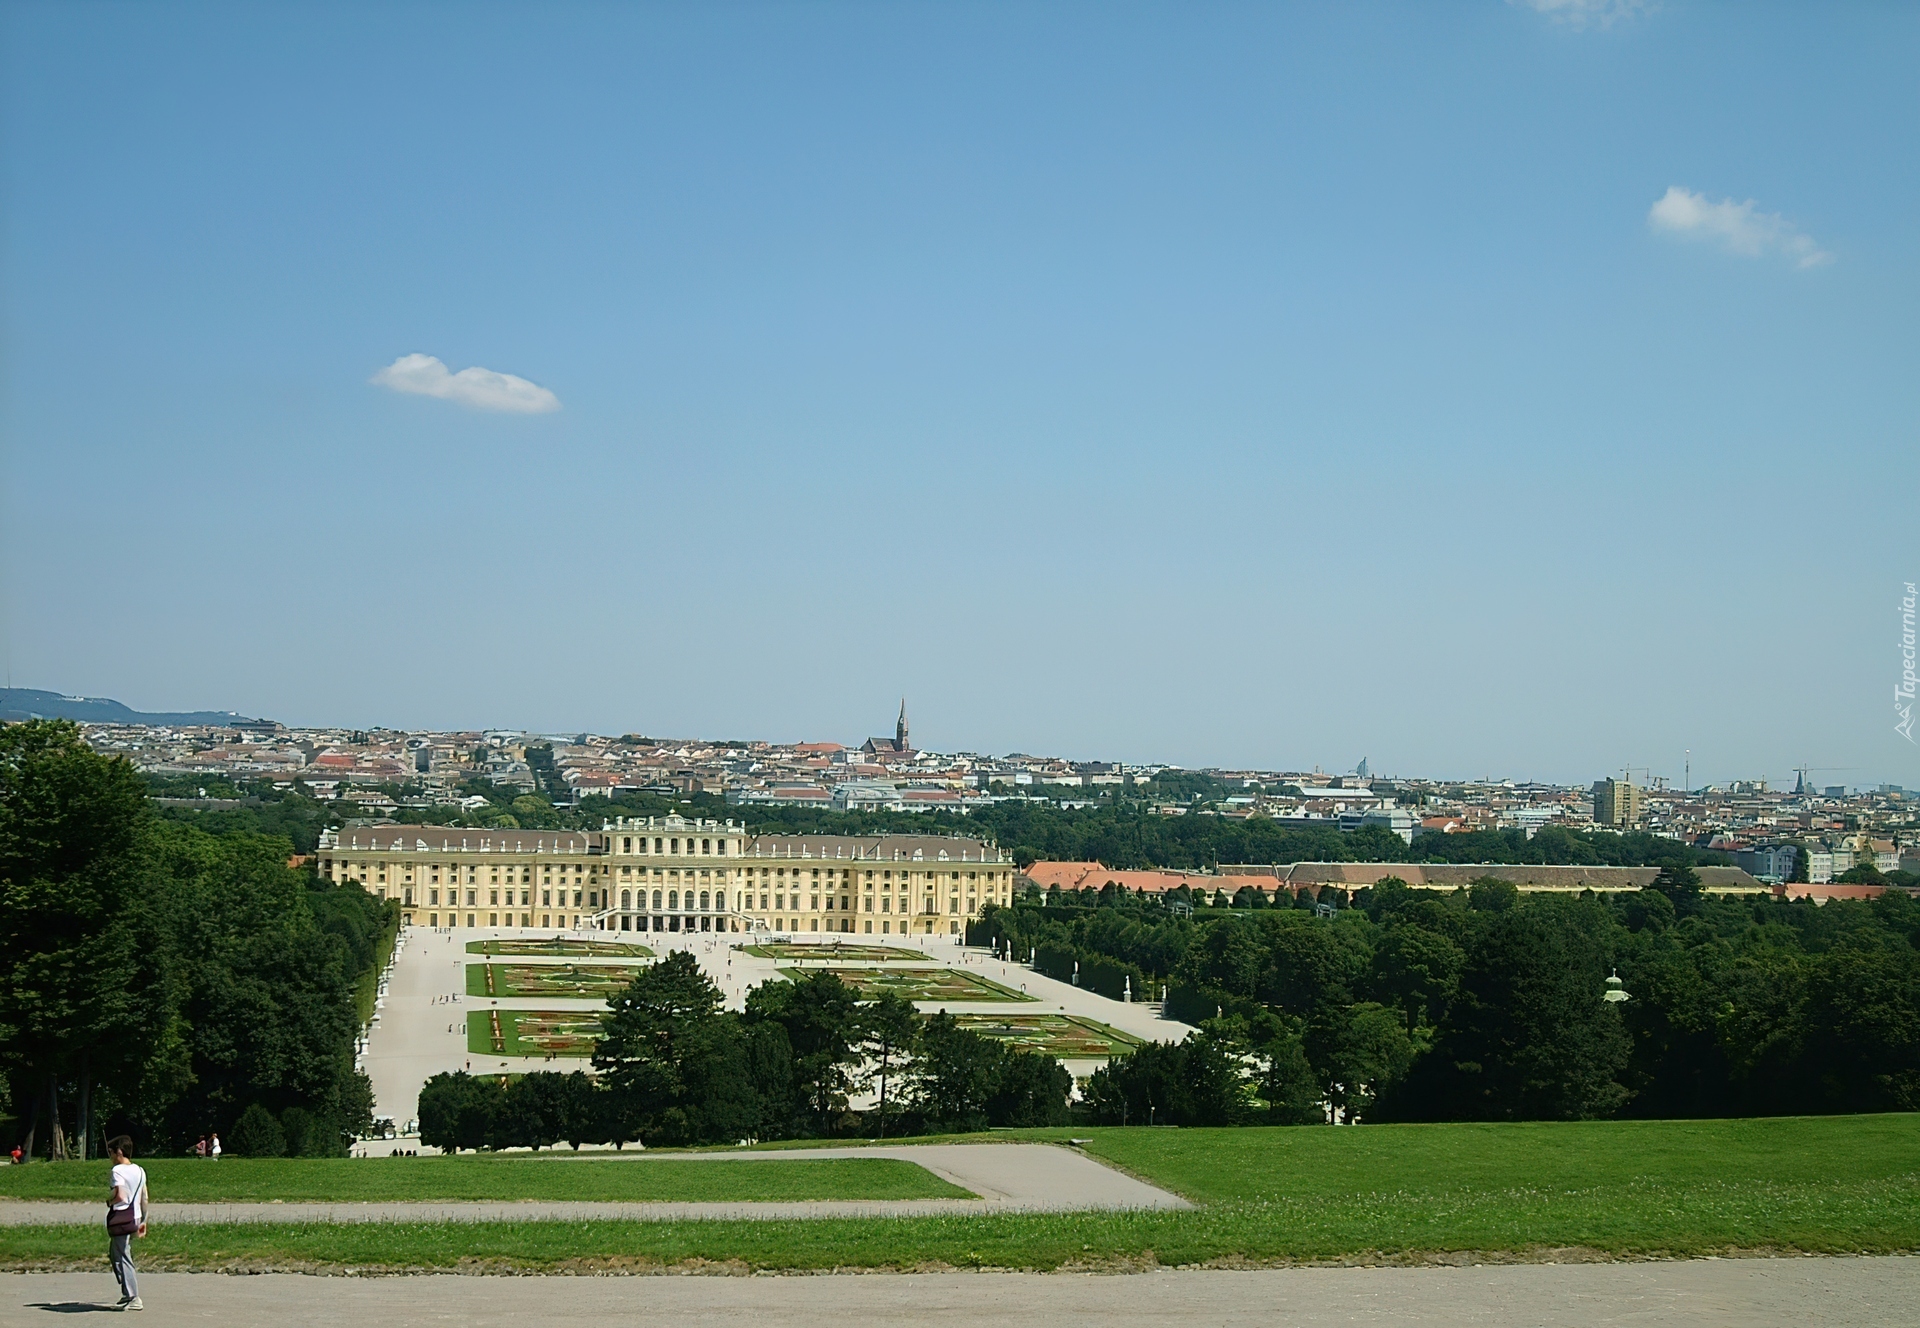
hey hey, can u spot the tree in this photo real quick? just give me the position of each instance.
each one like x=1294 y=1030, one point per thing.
x=1029 y=1090
x=1681 y=886
x=531 y=1112
x=1369 y=1051
x=270 y=994
x=1863 y=1028
x=1418 y=971
x=1529 y=1037
x=86 y=986
x=888 y=1029
x=1195 y=1082
x=579 y=1119
x=1282 y=1081
x=675 y=1061
x=650 y=1032
x=457 y=1111
x=954 y=1075
x=821 y=1016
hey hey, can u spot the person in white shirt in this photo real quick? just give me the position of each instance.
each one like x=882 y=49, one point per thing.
x=130 y=1202
x=216 y=1148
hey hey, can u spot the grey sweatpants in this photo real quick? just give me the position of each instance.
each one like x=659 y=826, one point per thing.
x=120 y=1252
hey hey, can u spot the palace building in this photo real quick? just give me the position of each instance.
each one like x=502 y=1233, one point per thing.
x=670 y=874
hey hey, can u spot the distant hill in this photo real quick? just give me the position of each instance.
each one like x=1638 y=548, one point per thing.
x=18 y=703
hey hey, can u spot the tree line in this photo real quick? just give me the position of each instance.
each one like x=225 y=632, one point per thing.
x=1121 y=829
x=159 y=979
x=1488 y=1004
x=675 y=1066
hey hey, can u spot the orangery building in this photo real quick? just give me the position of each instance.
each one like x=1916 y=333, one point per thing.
x=671 y=873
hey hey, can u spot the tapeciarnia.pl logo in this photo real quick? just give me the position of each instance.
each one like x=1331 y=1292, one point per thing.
x=1903 y=690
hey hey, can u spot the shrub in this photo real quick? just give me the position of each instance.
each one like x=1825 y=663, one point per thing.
x=257 y=1134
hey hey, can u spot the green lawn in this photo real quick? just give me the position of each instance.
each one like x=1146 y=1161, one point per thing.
x=1369 y=1194
x=508 y=1176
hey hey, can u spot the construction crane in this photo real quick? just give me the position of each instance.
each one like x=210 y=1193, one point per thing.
x=1802 y=771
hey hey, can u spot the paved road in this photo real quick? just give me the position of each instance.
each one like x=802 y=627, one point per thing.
x=1031 y=1178
x=1735 y=1293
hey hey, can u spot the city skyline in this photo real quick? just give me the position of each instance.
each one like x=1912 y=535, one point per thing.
x=1503 y=389
x=1816 y=777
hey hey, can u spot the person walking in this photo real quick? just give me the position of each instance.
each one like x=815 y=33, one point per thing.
x=126 y=1218
x=214 y=1148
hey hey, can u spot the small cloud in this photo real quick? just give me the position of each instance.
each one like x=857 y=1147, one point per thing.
x=483 y=389
x=1739 y=227
x=1587 y=13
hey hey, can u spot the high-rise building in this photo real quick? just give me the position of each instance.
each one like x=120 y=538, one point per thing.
x=1617 y=802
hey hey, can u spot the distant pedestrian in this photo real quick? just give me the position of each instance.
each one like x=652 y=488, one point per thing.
x=214 y=1148
x=200 y=1149
x=16 y=1157
x=126 y=1218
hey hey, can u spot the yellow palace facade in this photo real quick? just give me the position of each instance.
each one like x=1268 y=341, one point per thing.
x=672 y=874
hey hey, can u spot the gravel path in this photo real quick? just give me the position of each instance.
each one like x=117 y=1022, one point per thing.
x=1733 y=1293
x=1008 y=1178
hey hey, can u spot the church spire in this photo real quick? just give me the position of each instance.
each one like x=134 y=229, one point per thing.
x=900 y=728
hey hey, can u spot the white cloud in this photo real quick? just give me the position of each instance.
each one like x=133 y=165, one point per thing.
x=483 y=389
x=1739 y=227
x=1587 y=13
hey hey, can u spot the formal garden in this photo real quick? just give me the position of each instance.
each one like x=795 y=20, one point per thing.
x=532 y=1032
x=833 y=952
x=562 y=947
x=921 y=984
x=1067 y=1037
x=588 y=982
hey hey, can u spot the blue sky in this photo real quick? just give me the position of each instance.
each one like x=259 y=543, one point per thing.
x=1473 y=388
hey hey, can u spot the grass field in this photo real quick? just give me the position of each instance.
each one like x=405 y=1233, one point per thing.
x=1372 y=1194
x=861 y=954
x=511 y=1176
x=1069 y=1037
x=590 y=982
x=920 y=984
x=561 y=946
x=532 y=1032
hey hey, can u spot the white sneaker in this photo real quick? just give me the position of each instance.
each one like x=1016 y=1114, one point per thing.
x=133 y=1304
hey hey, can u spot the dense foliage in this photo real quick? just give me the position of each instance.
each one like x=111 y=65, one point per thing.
x=1487 y=1004
x=161 y=979
x=676 y=1067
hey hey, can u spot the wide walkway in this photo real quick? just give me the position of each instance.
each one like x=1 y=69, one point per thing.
x=1008 y=1178
x=1734 y=1293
